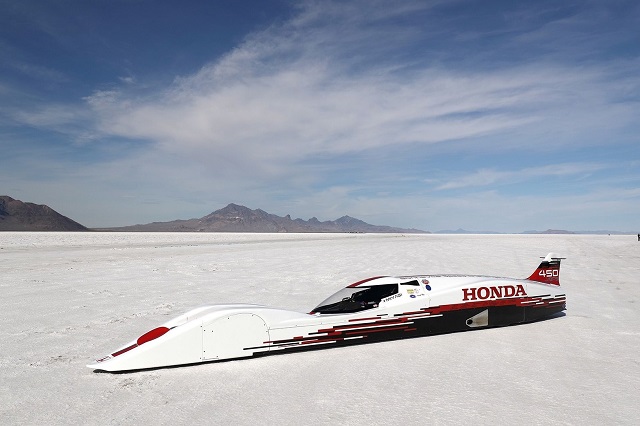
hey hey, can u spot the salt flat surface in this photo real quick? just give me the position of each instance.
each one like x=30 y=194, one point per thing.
x=69 y=298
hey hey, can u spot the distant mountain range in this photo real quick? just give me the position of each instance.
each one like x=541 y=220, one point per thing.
x=18 y=216
x=464 y=231
x=548 y=231
x=236 y=218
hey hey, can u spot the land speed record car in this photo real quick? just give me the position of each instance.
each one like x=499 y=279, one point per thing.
x=371 y=310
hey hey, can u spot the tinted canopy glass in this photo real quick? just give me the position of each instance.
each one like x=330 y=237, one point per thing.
x=354 y=299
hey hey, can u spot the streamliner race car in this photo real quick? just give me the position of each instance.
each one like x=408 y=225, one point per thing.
x=371 y=310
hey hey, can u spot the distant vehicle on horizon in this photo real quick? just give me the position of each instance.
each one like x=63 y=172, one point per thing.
x=372 y=310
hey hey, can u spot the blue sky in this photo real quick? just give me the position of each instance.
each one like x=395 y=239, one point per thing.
x=483 y=115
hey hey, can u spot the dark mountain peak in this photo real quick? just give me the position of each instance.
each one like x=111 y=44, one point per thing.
x=230 y=211
x=233 y=209
x=237 y=218
x=16 y=215
x=5 y=200
x=349 y=221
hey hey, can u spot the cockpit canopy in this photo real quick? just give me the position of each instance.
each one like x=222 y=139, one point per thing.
x=355 y=299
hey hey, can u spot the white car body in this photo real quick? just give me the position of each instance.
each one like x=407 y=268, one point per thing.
x=375 y=309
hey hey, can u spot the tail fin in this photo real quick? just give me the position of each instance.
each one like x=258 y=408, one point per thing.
x=549 y=270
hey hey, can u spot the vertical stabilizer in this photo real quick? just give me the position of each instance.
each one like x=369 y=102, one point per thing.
x=549 y=270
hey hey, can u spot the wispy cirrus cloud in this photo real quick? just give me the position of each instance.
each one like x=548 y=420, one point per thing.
x=320 y=84
x=486 y=177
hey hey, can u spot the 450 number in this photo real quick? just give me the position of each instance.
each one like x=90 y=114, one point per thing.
x=549 y=273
